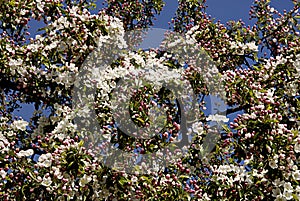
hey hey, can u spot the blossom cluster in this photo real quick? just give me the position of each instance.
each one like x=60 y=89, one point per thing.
x=256 y=156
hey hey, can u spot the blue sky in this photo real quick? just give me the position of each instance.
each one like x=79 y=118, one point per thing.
x=222 y=10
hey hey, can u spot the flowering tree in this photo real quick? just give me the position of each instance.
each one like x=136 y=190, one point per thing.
x=46 y=158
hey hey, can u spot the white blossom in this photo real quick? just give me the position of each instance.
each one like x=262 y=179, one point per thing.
x=251 y=46
x=296 y=175
x=297 y=147
x=273 y=164
x=15 y=62
x=280 y=197
x=288 y=187
x=287 y=195
x=3 y=174
x=46 y=181
x=240 y=48
x=297 y=64
x=84 y=180
x=276 y=192
x=45 y=160
x=57 y=173
x=20 y=125
x=197 y=127
x=217 y=117
x=28 y=152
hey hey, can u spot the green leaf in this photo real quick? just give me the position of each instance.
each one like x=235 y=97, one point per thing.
x=225 y=127
x=81 y=143
x=184 y=177
x=140 y=120
x=70 y=164
x=122 y=181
